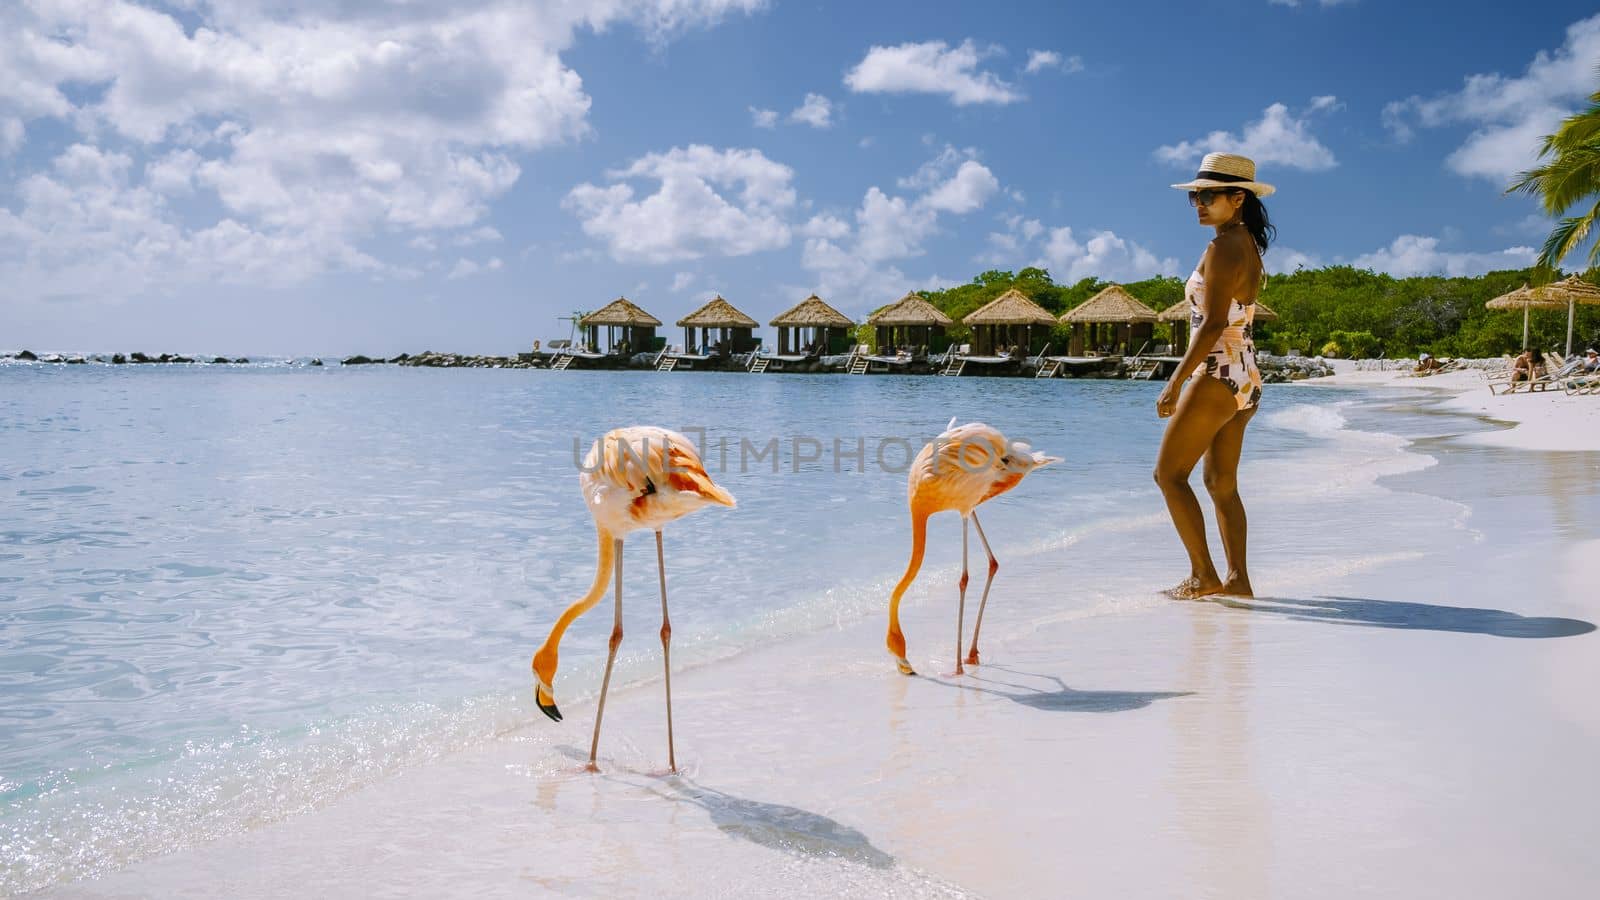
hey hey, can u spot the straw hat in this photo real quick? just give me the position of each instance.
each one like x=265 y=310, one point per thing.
x=1227 y=170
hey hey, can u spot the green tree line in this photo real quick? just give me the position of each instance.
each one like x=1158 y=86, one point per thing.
x=1338 y=309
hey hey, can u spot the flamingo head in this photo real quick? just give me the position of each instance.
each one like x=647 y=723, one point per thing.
x=544 y=671
x=1022 y=459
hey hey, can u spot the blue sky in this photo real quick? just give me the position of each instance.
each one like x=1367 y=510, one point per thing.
x=362 y=176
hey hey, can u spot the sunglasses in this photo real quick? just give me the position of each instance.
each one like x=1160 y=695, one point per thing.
x=1207 y=196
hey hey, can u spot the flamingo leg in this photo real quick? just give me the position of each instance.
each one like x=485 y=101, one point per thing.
x=994 y=566
x=611 y=658
x=666 y=649
x=961 y=605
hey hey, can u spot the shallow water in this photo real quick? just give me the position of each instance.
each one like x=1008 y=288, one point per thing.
x=229 y=595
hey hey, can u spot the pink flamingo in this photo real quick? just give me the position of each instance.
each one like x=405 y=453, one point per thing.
x=634 y=478
x=959 y=470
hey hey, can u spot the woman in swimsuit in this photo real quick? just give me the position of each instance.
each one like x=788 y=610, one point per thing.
x=1211 y=409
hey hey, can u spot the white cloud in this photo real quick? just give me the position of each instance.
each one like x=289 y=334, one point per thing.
x=825 y=226
x=816 y=111
x=465 y=267
x=321 y=129
x=688 y=216
x=931 y=67
x=482 y=235
x=681 y=281
x=1039 y=60
x=1103 y=255
x=173 y=174
x=86 y=230
x=970 y=188
x=1509 y=115
x=764 y=118
x=1277 y=138
x=856 y=261
x=1284 y=260
x=1414 y=254
x=12 y=135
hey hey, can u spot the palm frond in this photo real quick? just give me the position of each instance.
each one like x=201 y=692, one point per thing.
x=1567 y=234
x=1568 y=179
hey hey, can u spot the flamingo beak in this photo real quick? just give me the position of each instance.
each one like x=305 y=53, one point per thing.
x=904 y=667
x=544 y=697
x=549 y=708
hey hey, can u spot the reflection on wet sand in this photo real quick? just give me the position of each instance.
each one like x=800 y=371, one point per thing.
x=1220 y=807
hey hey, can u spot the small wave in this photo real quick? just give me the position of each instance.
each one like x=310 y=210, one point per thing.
x=1318 y=420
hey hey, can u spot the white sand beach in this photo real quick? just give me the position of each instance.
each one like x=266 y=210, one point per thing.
x=1416 y=720
x=1541 y=420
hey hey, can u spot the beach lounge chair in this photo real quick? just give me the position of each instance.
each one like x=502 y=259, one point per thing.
x=1551 y=378
x=1581 y=383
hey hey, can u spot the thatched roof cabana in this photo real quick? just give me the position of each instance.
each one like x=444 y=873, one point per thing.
x=735 y=330
x=910 y=320
x=1008 y=320
x=628 y=328
x=1111 y=321
x=620 y=312
x=828 y=326
x=717 y=313
x=1113 y=305
x=1011 y=308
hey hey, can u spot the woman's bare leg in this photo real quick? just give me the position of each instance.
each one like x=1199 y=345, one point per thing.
x=1222 y=482
x=1205 y=407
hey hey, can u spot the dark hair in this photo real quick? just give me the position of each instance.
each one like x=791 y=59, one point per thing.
x=1257 y=223
x=1538 y=355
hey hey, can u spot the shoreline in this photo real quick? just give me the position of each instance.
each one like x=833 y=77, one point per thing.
x=1108 y=729
x=1547 y=421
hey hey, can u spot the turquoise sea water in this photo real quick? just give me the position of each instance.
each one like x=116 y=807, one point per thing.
x=228 y=594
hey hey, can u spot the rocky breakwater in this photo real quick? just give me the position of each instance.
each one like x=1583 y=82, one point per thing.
x=430 y=359
x=1278 y=369
x=117 y=359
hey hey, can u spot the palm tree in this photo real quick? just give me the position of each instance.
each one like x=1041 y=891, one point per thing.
x=1570 y=177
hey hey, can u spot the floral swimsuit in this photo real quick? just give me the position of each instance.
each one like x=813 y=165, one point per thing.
x=1233 y=360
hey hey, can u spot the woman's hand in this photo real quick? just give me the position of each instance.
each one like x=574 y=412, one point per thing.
x=1167 y=403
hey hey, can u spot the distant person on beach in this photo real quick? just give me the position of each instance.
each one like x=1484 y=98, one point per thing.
x=1522 y=367
x=1591 y=362
x=1428 y=364
x=1211 y=410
